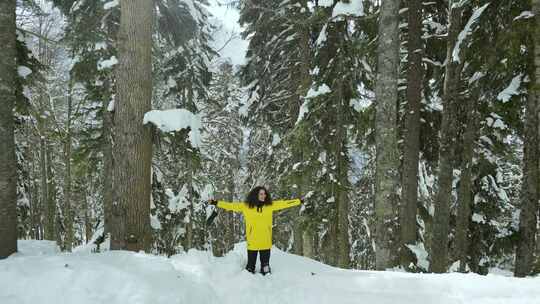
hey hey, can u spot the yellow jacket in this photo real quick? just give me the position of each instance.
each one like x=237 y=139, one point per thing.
x=258 y=224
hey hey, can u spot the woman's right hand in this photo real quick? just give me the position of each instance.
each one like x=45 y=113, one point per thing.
x=212 y=202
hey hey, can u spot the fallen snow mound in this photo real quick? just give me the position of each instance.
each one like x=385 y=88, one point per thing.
x=47 y=276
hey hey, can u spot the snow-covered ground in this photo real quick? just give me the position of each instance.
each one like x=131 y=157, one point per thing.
x=40 y=274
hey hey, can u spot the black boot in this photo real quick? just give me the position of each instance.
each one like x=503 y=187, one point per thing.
x=265 y=269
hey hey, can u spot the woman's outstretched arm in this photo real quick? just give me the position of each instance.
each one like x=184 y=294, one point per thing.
x=284 y=204
x=230 y=206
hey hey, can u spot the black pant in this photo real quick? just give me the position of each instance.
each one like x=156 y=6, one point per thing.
x=252 y=260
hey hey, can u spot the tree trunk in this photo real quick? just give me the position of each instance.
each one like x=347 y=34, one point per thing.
x=340 y=190
x=411 y=142
x=132 y=148
x=88 y=231
x=441 y=223
x=54 y=220
x=8 y=162
x=530 y=187
x=385 y=130
x=308 y=246
x=465 y=184
x=107 y=176
x=49 y=209
x=68 y=212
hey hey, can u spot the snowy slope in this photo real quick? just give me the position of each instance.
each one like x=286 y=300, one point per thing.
x=39 y=274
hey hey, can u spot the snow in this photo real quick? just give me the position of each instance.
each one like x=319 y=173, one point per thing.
x=421 y=255
x=196 y=277
x=467 y=30
x=321 y=90
x=108 y=63
x=176 y=120
x=27 y=248
x=304 y=109
x=322 y=36
x=100 y=46
x=111 y=4
x=275 y=139
x=511 y=90
x=478 y=218
x=326 y=3
x=353 y=8
x=496 y=122
x=110 y=106
x=312 y=93
x=23 y=71
x=178 y=202
x=524 y=15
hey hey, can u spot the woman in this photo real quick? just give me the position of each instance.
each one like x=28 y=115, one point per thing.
x=257 y=211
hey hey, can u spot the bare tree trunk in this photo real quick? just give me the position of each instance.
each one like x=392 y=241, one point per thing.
x=132 y=147
x=107 y=176
x=465 y=184
x=8 y=162
x=441 y=223
x=530 y=187
x=386 y=131
x=68 y=212
x=88 y=231
x=55 y=220
x=49 y=210
x=411 y=142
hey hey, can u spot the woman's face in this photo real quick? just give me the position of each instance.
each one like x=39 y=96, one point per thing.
x=262 y=195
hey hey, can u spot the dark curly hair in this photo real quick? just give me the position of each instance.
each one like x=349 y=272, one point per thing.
x=252 y=199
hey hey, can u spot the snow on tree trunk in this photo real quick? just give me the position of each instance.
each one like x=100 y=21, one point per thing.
x=132 y=147
x=530 y=186
x=411 y=142
x=441 y=222
x=8 y=162
x=387 y=160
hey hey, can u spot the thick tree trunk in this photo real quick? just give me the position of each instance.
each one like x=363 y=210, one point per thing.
x=308 y=244
x=465 y=184
x=8 y=162
x=340 y=189
x=132 y=148
x=441 y=223
x=411 y=142
x=386 y=131
x=530 y=187
x=302 y=88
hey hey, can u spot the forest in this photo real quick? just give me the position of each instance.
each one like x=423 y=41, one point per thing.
x=410 y=129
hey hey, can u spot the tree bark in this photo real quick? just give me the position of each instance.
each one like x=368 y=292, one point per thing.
x=441 y=223
x=385 y=131
x=68 y=212
x=8 y=162
x=411 y=142
x=465 y=184
x=530 y=187
x=132 y=147
x=107 y=176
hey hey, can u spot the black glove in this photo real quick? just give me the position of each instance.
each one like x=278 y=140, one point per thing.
x=212 y=202
x=302 y=200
